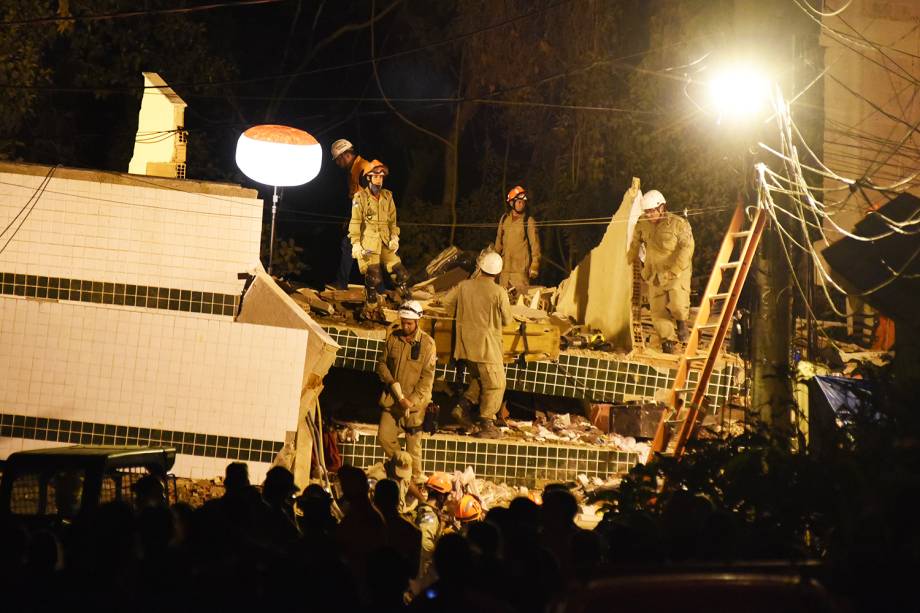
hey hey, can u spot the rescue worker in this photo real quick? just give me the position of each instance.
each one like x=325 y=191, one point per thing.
x=433 y=518
x=374 y=236
x=518 y=243
x=469 y=509
x=406 y=368
x=344 y=156
x=481 y=309
x=667 y=269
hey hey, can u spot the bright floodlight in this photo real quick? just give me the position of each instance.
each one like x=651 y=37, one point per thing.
x=739 y=92
x=278 y=155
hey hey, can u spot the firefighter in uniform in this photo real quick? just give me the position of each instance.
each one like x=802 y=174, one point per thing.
x=518 y=243
x=667 y=269
x=406 y=368
x=481 y=309
x=345 y=157
x=374 y=236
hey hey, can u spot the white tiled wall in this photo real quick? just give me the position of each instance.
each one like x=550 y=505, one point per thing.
x=153 y=369
x=129 y=233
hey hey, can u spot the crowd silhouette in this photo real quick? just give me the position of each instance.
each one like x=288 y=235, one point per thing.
x=266 y=547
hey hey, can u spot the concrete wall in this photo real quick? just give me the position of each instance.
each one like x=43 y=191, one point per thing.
x=117 y=304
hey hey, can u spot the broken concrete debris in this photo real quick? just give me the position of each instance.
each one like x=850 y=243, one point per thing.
x=571 y=428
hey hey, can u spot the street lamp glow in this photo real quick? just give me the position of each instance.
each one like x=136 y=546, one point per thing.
x=279 y=156
x=739 y=92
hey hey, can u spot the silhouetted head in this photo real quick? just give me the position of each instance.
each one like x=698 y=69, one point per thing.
x=149 y=492
x=236 y=477
x=354 y=483
x=559 y=508
x=278 y=485
x=386 y=496
x=524 y=512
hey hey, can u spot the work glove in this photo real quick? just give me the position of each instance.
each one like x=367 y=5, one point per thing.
x=394 y=244
x=356 y=251
x=533 y=273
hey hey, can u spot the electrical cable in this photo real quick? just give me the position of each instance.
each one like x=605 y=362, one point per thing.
x=23 y=213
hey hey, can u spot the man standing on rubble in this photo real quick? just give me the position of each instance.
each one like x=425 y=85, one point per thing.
x=374 y=236
x=481 y=309
x=518 y=243
x=344 y=156
x=668 y=244
x=406 y=368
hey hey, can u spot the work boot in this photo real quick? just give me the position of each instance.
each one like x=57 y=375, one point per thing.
x=401 y=277
x=404 y=292
x=683 y=333
x=488 y=429
x=461 y=414
x=668 y=347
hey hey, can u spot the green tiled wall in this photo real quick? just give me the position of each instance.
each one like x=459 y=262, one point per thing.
x=120 y=294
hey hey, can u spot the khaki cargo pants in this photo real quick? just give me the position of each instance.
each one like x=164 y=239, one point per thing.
x=668 y=304
x=486 y=387
x=388 y=437
x=388 y=258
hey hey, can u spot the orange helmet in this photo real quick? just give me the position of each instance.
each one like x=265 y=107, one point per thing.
x=439 y=482
x=469 y=508
x=516 y=191
x=535 y=497
x=374 y=167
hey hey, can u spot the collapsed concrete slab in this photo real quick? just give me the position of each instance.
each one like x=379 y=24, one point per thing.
x=598 y=291
x=265 y=303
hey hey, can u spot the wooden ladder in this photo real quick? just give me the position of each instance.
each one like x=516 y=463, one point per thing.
x=678 y=422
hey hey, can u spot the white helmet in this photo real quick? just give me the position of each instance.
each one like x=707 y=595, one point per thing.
x=411 y=310
x=652 y=199
x=339 y=147
x=491 y=263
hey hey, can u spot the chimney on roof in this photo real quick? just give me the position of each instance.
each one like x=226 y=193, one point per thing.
x=160 y=144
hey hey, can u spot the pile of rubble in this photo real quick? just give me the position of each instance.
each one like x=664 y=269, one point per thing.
x=570 y=428
x=493 y=494
x=198 y=491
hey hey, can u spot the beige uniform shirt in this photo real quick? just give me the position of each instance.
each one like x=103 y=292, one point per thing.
x=415 y=376
x=668 y=250
x=373 y=220
x=518 y=246
x=481 y=309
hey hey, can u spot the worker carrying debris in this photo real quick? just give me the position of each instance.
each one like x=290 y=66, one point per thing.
x=481 y=309
x=374 y=237
x=518 y=243
x=406 y=368
x=344 y=156
x=666 y=268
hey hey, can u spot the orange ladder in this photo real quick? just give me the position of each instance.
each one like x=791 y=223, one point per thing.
x=679 y=421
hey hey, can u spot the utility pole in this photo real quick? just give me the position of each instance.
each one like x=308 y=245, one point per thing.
x=772 y=319
x=771 y=376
